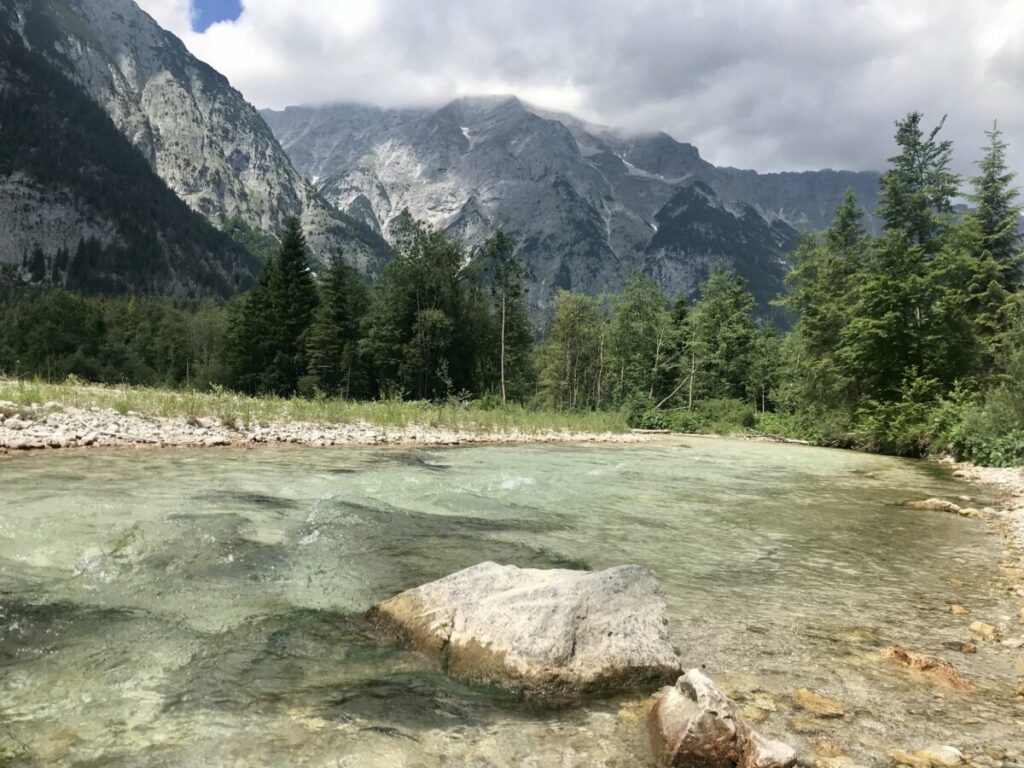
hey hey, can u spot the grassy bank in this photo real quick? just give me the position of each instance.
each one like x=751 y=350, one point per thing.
x=233 y=409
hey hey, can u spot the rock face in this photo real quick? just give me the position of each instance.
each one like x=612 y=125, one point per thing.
x=694 y=724
x=80 y=207
x=542 y=632
x=587 y=204
x=194 y=130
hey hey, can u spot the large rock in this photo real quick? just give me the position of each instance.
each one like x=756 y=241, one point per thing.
x=694 y=724
x=542 y=632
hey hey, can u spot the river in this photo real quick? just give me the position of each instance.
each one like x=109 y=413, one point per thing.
x=180 y=607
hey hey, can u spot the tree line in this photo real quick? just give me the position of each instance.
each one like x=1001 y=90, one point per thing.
x=906 y=341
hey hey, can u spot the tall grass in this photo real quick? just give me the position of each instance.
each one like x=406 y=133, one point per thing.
x=237 y=410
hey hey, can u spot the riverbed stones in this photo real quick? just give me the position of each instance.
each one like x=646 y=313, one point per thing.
x=935 y=669
x=817 y=704
x=695 y=724
x=986 y=631
x=931 y=757
x=546 y=633
x=957 y=610
x=936 y=505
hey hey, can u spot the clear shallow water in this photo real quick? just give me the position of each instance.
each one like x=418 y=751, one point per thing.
x=204 y=607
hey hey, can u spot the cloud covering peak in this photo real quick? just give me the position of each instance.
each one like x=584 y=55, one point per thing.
x=794 y=84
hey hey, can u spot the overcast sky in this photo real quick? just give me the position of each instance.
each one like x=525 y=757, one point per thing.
x=764 y=84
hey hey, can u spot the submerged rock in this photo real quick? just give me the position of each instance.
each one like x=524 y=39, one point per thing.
x=816 y=704
x=695 y=724
x=937 y=505
x=543 y=632
x=939 y=757
x=987 y=631
x=936 y=669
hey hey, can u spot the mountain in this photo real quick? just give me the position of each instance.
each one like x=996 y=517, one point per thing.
x=194 y=130
x=587 y=204
x=80 y=207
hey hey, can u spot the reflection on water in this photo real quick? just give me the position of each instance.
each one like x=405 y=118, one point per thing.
x=187 y=607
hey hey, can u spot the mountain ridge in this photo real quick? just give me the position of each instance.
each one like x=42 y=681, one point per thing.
x=195 y=130
x=583 y=200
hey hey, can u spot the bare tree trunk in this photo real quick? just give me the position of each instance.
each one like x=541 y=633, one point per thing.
x=654 y=370
x=503 y=398
x=693 y=370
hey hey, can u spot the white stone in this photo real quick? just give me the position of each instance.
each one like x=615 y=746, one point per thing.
x=541 y=631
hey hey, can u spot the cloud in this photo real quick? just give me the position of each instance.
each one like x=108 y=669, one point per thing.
x=791 y=84
x=175 y=15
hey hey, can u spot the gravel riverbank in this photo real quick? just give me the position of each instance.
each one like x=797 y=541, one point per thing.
x=54 y=426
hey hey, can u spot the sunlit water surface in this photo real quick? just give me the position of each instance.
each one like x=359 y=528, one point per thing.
x=204 y=607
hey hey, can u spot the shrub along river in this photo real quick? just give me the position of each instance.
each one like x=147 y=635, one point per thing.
x=184 y=607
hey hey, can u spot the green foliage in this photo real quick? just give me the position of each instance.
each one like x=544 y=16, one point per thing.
x=262 y=245
x=498 y=266
x=721 y=416
x=638 y=339
x=720 y=336
x=906 y=342
x=332 y=345
x=267 y=327
x=428 y=327
x=147 y=340
x=573 y=372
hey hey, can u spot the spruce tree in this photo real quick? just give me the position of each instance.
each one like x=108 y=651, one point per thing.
x=722 y=332
x=291 y=300
x=997 y=212
x=917 y=191
x=332 y=345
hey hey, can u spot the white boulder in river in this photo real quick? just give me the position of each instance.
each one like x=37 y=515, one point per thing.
x=542 y=632
x=695 y=724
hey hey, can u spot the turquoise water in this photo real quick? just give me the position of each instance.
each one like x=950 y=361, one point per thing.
x=204 y=607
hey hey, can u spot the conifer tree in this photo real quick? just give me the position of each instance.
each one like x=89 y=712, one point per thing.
x=917 y=191
x=291 y=301
x=267 y=326
x=332 y=345
x=721 y=325
x=997 y=212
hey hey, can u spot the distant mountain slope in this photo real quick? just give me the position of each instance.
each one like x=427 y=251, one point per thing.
x=199 y=134
x=587 y=204
x=80 y=207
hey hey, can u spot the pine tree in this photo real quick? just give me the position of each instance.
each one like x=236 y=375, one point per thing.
x=332 y=345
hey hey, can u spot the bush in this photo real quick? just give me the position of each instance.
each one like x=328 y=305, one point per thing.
x=988 y=432
x=721 y=416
